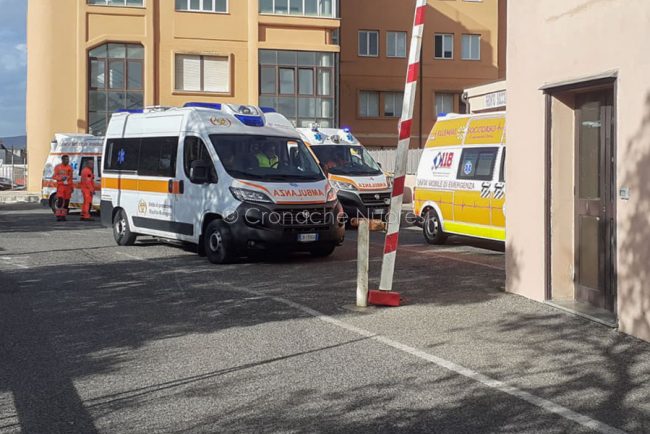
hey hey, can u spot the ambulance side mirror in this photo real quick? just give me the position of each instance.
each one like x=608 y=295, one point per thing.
x=200 y=172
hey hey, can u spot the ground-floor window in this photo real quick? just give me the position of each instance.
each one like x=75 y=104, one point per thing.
x=300 y=85
x=115 y=81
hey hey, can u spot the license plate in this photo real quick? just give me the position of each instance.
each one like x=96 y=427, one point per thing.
x=379 y=211
x=307 y=238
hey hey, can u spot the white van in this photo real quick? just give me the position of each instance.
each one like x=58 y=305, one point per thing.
x=363 y=188
x=80 y=148
x=218 y=176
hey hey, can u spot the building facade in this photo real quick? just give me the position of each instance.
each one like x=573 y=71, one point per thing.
x=335 y=63
x=89 y=58
x=578 y=202
x=464 y=44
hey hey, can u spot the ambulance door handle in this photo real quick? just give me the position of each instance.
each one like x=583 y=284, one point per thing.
x=175 y=187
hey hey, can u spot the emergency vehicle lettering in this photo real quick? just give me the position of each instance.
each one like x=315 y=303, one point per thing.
x=372 y=186
x=311 y=192
x=445 y=184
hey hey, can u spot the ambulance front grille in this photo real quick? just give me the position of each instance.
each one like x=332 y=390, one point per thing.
x=374 y=198
x=305 y=217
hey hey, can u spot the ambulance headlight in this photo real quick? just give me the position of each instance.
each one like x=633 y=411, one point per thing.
x=245 y=195
x=343 y=185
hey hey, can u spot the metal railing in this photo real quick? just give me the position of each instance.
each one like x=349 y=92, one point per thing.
x=387 y=159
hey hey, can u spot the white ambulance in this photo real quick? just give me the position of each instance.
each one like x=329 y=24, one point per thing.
x=363 y=189
x=218 y=176
x=80 y=148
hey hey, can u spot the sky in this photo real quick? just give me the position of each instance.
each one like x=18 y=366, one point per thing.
x=13 y=67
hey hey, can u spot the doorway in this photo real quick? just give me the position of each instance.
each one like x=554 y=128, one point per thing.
x=594 y=219
x=581 y=198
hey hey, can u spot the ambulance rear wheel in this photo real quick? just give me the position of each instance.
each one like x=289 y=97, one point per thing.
x=121 y=229
x=432 y=228
x=217 y=243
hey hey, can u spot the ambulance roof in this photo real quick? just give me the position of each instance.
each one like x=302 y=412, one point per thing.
x=328 y=136
x=469 y=130
x=205 y=118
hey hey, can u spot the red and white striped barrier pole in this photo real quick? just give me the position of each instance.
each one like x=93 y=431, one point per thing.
x=385 y=296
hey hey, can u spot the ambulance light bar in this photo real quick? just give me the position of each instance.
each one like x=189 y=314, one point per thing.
x=209 y=105
x=251 y=120
x=268 y=110
x=132 y=111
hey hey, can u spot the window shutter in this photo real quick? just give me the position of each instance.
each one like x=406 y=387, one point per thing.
x=216 y=74
x=188 y=73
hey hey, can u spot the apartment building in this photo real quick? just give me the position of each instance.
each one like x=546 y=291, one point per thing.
x=89 y=58
x=336 y=63
x=464 y=44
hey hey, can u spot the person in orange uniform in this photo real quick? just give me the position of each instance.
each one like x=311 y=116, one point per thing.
x=64 y=186
x=87 y=189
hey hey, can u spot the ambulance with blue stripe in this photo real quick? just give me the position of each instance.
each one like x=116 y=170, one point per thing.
x=460 y=185
x=219 y=176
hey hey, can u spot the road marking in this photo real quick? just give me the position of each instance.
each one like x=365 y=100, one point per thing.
x=501 y=386
x=8 y=260
x=542 y=403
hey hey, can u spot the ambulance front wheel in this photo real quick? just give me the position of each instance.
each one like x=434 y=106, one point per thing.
x=121 y=229
x=217 y=243
x=432 y=228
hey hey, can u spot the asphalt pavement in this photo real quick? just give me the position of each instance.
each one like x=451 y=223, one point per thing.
x=152 y=338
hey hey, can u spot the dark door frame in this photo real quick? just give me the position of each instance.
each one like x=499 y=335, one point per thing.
x=601 y=81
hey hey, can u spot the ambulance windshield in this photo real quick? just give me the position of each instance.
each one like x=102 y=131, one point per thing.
x=346 y=160
x=267 y=158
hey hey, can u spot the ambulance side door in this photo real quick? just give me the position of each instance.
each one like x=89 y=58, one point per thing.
x=476 y=167
x=196 y=198
x=77 y=196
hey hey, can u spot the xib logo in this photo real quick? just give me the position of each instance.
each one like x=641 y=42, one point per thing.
x=443 y=160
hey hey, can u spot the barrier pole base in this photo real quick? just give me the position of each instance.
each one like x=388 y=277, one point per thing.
x=384 y=298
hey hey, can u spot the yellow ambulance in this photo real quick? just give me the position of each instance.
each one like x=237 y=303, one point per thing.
x=460 y=185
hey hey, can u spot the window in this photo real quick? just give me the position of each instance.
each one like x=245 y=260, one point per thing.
x=151 y=156
x=131 y=3
x=444 y=46
x=220 y=6
x=310 y=8
x=300 y=85
x=195 y=150
x=393 y=104
x=83 y=163
x=202 y=73
x=369 y=43
x=115 y=82
x=396 y=44
x=368 y=104
x=471 y=47
x=158 y=156
x=444 y=103
x=98 y=171
x=122 y=155
x=477 y=164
